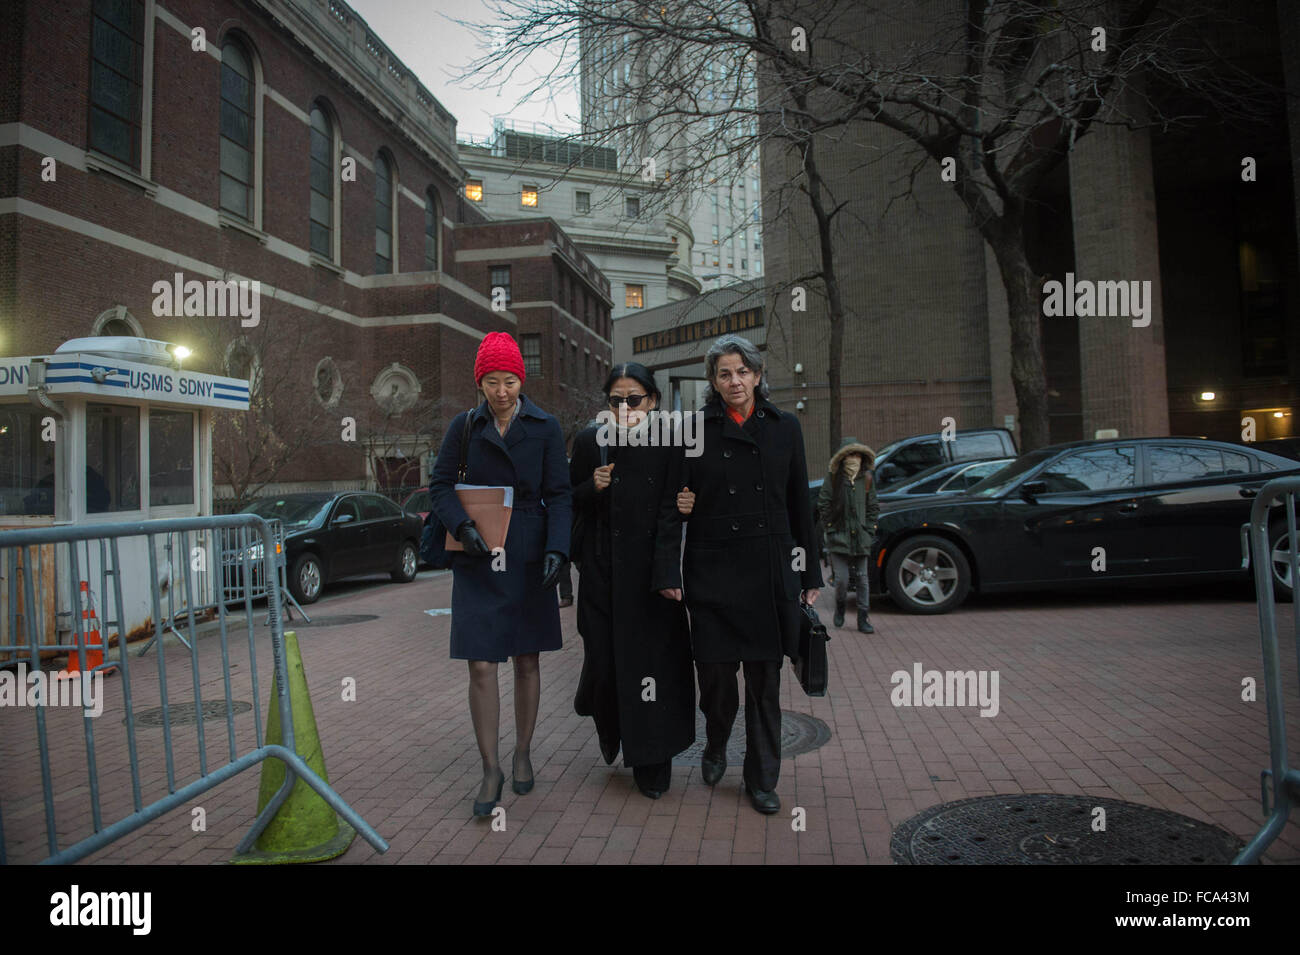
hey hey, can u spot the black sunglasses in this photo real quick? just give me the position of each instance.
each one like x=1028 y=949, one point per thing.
x=633 y=401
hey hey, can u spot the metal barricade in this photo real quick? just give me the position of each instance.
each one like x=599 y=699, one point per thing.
x=1265 y=530
x=94 y=554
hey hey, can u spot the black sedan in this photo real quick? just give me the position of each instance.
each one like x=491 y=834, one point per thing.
x=329 y=536
x=1143 y=509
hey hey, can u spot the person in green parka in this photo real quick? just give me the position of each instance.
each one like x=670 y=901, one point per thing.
x=848 y=510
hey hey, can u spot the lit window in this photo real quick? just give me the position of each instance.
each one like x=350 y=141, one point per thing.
x=528 y=197
x=474 y=190
x=635 y=296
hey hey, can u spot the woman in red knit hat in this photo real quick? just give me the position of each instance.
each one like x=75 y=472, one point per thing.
x=505 y=609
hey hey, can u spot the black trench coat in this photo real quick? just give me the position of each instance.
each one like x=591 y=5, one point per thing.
x=631 y=549
x=751 y=511
x=500 y=614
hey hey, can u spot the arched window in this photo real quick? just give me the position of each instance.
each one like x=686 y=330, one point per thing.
x=238 y=131
x=383 y=215
x=432 y=226
x=116 y=79
x=322 y=183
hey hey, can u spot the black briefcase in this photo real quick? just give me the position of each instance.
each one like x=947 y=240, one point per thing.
x=812 y=666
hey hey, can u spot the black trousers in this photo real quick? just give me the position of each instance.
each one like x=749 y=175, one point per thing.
x=720 y=701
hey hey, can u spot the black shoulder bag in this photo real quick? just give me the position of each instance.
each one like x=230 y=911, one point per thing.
x=433 y=539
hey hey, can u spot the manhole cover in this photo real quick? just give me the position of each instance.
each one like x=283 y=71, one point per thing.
x=799 y=734
x=182 y=713
x=337 y=620
x=1050 y=829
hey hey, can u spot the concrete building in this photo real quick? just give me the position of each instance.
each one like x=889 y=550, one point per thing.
x=671 y=340
x=928 y=335
x=645 y=252
x=723 y=207
x=279 y=143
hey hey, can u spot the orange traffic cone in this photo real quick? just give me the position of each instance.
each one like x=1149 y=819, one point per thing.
x=92 y=642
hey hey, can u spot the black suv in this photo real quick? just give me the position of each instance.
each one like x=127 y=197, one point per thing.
x=908 y=456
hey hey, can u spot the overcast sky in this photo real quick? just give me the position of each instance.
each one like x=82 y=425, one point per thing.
x=423 y=36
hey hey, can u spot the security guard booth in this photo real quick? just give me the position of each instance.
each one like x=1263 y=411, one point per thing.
x=107 y=430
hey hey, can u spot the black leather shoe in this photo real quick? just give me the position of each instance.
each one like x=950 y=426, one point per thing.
x=765 y=801
x=839 y=614
x=648 y=792
x=864 y=624
x=485 y=808
x=713 y=763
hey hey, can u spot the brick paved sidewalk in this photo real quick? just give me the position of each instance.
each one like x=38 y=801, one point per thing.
x=1133 y=696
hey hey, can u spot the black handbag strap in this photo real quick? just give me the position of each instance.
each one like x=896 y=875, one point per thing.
x=464 y=448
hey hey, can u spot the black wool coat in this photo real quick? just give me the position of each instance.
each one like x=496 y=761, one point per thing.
x=751 y=544
x=631 y=549
x=497 y=614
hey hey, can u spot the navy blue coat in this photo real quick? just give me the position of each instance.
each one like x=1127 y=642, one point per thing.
x=496 y=615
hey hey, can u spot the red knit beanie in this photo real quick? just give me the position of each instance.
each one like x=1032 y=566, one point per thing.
x=498 y=352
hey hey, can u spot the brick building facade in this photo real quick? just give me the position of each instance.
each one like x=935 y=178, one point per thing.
x=279 y=142
x=927 y=335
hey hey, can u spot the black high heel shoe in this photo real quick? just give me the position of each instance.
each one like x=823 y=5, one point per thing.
x=523 y=786
x=485 y=808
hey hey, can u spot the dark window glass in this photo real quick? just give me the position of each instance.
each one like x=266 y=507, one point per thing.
x=347 y=506
x=501 y=279
x=383 y=216
x=112 y=458
x=322 y=184
x=531 y=348
x=432 y=224
x=26 y=463
x=978 y=446
x=236 y=132
x=372 y=508
x=1097 y=470
x=116 y=72
x=171 y=457
x=917 y=457
x=1179 y=462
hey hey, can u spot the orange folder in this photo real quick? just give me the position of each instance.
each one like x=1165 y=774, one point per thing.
x=489 y=508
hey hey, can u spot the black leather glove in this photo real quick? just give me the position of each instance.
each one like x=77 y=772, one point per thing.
x=552 y=567
x=472 y=540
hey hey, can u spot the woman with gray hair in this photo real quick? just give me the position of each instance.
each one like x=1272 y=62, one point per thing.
x=750 y=556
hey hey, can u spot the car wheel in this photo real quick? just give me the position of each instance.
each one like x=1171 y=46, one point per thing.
x=407 y=564
x=928 y=575
x=307 y=579
x=1280 y=546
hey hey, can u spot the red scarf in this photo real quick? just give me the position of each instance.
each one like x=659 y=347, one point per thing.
x=737 y=417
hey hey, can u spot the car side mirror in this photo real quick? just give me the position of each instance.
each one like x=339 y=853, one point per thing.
x=345 y=519
x=1031 y=489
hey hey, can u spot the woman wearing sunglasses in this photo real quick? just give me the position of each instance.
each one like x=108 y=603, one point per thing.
x=637 y=679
